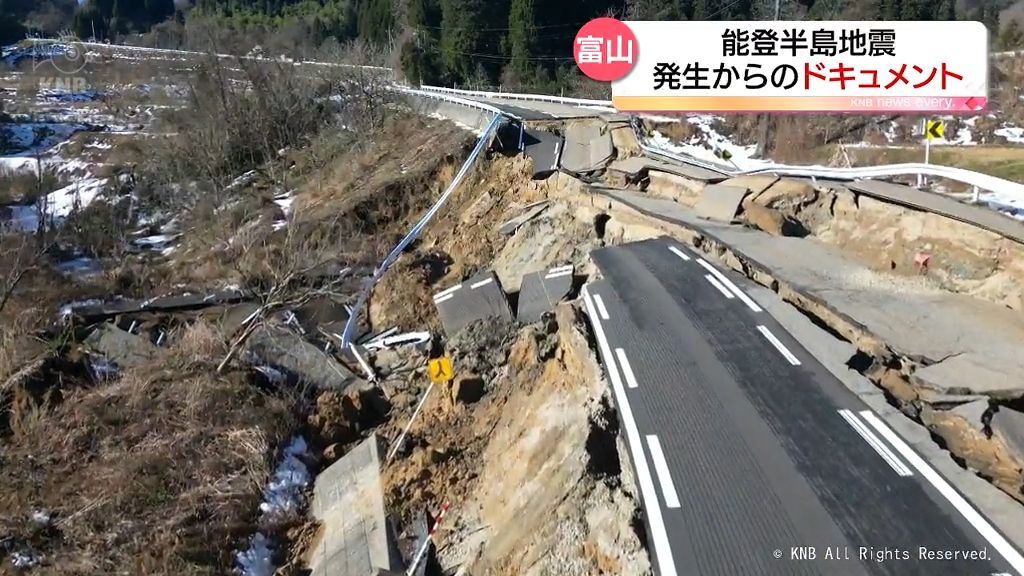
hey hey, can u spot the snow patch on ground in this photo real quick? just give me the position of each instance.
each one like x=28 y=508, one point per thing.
x=710 y=145
x=31 y=138
x=258 y=559
x=1012 y=134
x=57 y=205
x=1009 y=204
x=81 y=266
x=282 y=497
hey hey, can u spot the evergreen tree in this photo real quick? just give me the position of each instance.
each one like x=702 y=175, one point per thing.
x=653 y=10
x=946 y=10
x=988 y=14
x=700 y=9
x=522 y=36
x=911 y=10
x=460 y=37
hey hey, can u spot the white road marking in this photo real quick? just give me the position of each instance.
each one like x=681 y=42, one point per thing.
x=568 y=268
x=443 y=298
x=714 y=282
x=668 y=489
x=627 y=370
x=679 y=253
x=481 y=283
x=729 y=284
x=447 y=292
x=875 y=443
x=600 y=307
x=1012 y=556
x=779 y=345
x=558 y=274
x=659 y=535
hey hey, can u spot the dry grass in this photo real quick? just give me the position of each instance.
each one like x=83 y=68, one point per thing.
x=157 y=472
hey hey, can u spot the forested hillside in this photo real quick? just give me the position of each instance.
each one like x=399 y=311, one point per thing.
x=477 y=42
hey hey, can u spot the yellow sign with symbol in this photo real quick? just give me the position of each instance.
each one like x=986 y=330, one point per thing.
x=935 y=129
x=440 y=369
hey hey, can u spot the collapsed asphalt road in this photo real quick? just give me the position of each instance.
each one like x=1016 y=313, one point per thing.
x=751 y=457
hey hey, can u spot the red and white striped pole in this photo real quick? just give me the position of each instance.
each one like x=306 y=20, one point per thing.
x=426 y=543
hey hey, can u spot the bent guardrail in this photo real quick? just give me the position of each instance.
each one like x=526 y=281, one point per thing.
x=364 y=295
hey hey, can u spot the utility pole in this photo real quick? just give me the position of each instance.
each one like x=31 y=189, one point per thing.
x=762 y=137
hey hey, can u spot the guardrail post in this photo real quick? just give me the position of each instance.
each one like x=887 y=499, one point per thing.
x=522 y=132
x=975 y=197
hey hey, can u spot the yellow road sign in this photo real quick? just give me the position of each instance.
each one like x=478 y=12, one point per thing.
x=440 y=369
x=935 y=129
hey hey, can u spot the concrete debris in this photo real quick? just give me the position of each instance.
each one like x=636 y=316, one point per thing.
x=322 y=313
x=979 y=216
x=638 y=167
x=234 y=317
x=545 y=149
x=286 y=351
x=103 y=311
x=529 y=213
x=541 y=291
x=355 y=537
x=119 y=347
x=720 y=203
x=1008 y=425
x=477 y=298
x=975 y=413
x=588 y=147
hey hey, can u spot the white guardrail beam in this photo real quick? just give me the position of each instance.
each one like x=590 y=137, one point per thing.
x=982 y=181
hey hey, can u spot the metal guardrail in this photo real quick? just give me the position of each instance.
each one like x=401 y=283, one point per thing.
x=454 y=100
x=364 y=295
x=978 y=179
x=516 y=96
x=170 y=51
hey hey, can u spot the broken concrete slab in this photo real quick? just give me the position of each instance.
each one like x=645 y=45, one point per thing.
x=756 y=183
x=545 y=149
x=1008 y=425
x=971 y=373
x=474 y=299
x=322 y=312
x=638 y=167
x=720 y=203
x=785 y=193
x=124 y=350
x=974 y=413
x=587 y=148
x=286 y=351
x=530 y=212
x=233 y=318
x=541 y=291
x=106 y=310
x=981 y=217
x=355 y=537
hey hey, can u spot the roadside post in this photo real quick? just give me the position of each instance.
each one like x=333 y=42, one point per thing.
x=440 y=371
x=933 y=129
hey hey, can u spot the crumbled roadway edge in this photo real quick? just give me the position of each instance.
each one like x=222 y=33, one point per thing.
x=1005 y=512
